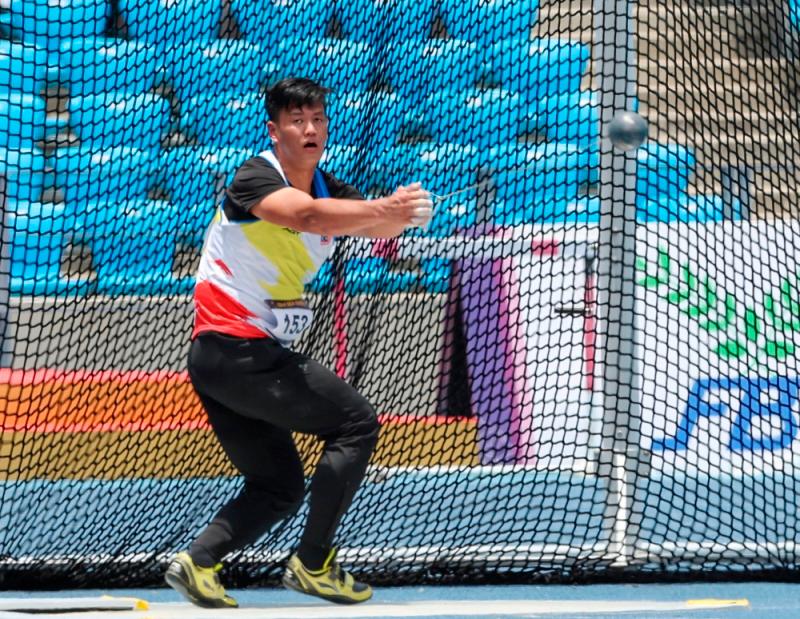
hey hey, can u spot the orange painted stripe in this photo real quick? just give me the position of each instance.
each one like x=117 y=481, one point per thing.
x=52 y=400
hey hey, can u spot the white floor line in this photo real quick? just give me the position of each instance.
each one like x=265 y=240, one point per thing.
x=472 y=608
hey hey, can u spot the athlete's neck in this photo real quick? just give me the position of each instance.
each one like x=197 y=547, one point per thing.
x=299 y=176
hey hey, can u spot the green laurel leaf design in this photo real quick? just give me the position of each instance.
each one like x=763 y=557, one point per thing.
x=716 y=312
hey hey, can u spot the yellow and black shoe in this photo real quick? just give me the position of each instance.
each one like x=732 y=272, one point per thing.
x=199 y=585
x=330 y=583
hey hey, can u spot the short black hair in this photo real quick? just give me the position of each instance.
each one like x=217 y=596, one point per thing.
x=294 y=92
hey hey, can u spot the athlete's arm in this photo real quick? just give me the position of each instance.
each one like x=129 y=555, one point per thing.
x=383 y=217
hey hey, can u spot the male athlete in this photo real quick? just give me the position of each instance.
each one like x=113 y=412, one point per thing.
x=270 y=236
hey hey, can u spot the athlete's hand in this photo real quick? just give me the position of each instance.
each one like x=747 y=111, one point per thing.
x=410 y=205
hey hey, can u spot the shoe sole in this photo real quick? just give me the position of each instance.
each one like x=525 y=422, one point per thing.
x=180 y=582
x=291 y=583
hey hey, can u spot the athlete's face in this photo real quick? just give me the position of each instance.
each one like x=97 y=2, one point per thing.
x=299 y=134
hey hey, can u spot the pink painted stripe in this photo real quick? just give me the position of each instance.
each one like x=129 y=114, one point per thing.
x=48 y=375
x=545 y=247
x=340 y=329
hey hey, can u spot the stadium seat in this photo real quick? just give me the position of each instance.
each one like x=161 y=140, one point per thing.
x=227 y=119
x=24 y=171
x=555 y=169
x=543 y=184
x=344 y=66
x=536 y=69
x=374 y=275
x=435 y=64
x=40 y=235
x=86 y=174
x=224 y=65
x=98 y=65
x=195 y=177
x=573 y=118
x=46 y=23
x=487 y=21
x=342 y=161
x=118 y=119
x=366 y=119
x=24 y=121
x=701 y=208
x=663 y=170
x=400 y=20
x=449 y=171
x=546 y=211
x=269 y=22
x=323 y=280
x=442 y=168
x=480 y=117
x=133 y=245
x=23 y=67
x=166 y=23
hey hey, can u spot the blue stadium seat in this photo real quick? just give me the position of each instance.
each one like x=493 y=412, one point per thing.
x=372 y=275
x=24 y=171
x=543 y=184
x=372 y=119
x=442 y=168
x=345 y=66
x=223 y=65
x=46 y=23
x=377 y=275
x=269 y=22
x=86 y=174
x=449 y=171
x=118 y=119
x=166 y=23
x=663 y=170
x=480 y=117
x=536 y=68
x=435 y=64
x=555 y=169
x=546 y=211
x=487 y=21
x=39 y=235
x=23 y=68
x=342 y=161
x=571 y=118
x=195 y=176
x=133 y=245
x=350 y=164
x=701 y=208
x=226 y=119
x=24 y=121
x=98 y=65
x=400 y=20
x=323 y=280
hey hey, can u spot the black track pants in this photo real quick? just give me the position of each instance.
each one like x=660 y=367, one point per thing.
x=256 y=393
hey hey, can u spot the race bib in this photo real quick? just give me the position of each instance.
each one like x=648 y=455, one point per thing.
x=287 y=320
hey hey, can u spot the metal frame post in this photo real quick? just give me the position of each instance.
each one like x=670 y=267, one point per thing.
x=618 y=457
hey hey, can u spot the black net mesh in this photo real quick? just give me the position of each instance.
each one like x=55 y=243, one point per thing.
x=585 y=366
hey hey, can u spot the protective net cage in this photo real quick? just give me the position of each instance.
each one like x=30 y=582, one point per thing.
x=585 y=366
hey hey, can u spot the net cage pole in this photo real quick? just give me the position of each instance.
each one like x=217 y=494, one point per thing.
x=618 y=458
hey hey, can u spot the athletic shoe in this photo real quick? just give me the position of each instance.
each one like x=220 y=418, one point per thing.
x=330 y=583
x=199 y=585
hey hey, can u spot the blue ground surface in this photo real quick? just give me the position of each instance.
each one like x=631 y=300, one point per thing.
x=767 y=600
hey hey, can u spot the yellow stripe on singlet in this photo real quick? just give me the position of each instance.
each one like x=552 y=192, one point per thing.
x=286 y=251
